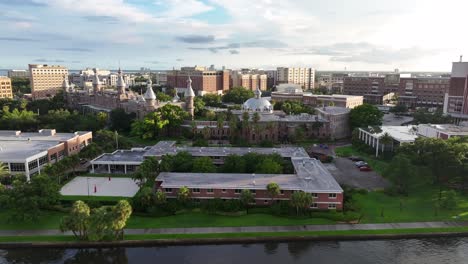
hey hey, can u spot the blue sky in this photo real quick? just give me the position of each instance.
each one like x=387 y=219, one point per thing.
x=161 y=34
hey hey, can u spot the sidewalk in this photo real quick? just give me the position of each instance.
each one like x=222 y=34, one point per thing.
x=251 y=229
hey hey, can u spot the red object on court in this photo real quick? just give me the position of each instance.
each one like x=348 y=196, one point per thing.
x=95 y=188
x=109 y=178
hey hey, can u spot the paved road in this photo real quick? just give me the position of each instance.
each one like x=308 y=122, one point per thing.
x=250 y=229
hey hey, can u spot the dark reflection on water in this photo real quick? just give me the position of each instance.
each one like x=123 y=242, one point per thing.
x=411 y=251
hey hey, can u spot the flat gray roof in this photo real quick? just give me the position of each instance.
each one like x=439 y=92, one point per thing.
x=334 y=110
x=41 y=135
x=121 y=156
x=168 y=147
x=19 y=151
x=313 y=178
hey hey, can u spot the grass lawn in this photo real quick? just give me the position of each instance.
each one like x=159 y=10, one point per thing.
x=7 y=239
x=419 y=205
x=198 y=219
x=46 y=220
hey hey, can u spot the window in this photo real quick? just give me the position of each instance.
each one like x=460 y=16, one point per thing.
x=168 y=190
x=195 y=190
x=224 y=190
x=237 y=191
x=332 y=195
x=265 y=201
x=331 y=206
x=281 y=192
x=43 y=160
x=17 y=167
x=209 y=190
x=314 y=205
x=315 y=195
x=32 y=164
x=254 y=192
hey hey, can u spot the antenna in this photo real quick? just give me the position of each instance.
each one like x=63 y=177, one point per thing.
x=461 y=58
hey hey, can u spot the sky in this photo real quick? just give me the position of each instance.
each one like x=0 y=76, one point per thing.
x=374 y=35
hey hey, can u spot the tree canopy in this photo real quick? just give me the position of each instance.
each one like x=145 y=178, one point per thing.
x=365 y=115
x=237 y=95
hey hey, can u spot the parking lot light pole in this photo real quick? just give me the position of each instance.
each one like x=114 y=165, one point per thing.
x=87 y=184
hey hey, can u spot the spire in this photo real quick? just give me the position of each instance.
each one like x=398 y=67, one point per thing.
x=149 y=94
x=120 y=82
x=258 y=93
x=96 y=82
x=65 y=84
x=189 y=92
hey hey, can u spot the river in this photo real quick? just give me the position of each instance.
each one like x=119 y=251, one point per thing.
x=410 y=251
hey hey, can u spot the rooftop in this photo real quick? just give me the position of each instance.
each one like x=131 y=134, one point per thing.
x=333 y=110
x=19 y=151
x=311 y=177
x=168 y=147
x=399 y=133
x=127 y=156
x=449 y=128
x=41 y=135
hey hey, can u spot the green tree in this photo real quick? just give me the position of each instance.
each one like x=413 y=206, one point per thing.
x=121 y=121
x=365 y=115
x=121 y=213
x=143 y=199
x=401 y=172
x=3 y=169
x=18 y=120
x=234 y=164
x=269 y=166
x=301 y=201
x=449 y=200
x=203 y=164
x=238 y=95
x=183 y=195
x=213 y=100
x=147 y=171
x=91 y=151
x=181 y=162
x=160 y=197
x=108 y=222
x=77 y=220
x=246 y=198
x=163 y=97
x=399 y=109
x=199 y=106
x=273 y=190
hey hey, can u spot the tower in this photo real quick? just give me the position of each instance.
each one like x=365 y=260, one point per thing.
x=150 y=97
x=120 y=83
x=96 y=82
x=258 y=93
x=189 y=97
x=65 y=84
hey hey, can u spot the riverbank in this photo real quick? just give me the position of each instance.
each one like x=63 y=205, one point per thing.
x=231 y=238
x=174 y=236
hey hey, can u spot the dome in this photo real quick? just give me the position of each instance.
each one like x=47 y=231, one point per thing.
x=149 y=94
x=257 y=104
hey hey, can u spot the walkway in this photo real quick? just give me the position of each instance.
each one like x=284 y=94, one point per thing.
x=252 y=229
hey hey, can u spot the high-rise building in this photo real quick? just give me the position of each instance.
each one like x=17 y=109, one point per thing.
x=249 y=81
x=456 y=99
x=46 y=80
x=203 y=81
x=5 y=87
x=411 y=91
x=18 y=73
x=302 y=76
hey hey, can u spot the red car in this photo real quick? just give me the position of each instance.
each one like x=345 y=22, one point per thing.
x=365 y=168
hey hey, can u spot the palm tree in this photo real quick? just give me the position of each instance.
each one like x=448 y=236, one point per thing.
x=273 y=190
x=301 y=200
x=246 y=198
x=386 y=139
x=4 y=169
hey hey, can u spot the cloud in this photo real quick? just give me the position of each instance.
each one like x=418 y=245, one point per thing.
x=385 y=55
x=47 y=60
x=183 y=8
x=179 y=59
x=22 y=25
x=196 y=38
x=266 y=44
x=153 y=62
x=101 y=19
x=22 y=3
x=72 y=49
x=234 y=52
x=15 y=39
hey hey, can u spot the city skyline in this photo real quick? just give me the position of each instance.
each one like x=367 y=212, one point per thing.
x=415 y=36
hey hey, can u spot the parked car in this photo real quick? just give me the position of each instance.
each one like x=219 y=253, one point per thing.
x=360 y=163
x=355 y=158
x=365 y=168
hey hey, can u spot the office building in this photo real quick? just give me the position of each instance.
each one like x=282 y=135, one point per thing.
x=6 y=90
x=46 y=80
x=302 y=76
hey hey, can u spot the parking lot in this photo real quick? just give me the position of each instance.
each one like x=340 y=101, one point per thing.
x=345 y=172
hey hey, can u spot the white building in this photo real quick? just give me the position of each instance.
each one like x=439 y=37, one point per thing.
x=302 y=76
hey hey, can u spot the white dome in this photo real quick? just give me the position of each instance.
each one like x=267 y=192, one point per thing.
x=257 y=105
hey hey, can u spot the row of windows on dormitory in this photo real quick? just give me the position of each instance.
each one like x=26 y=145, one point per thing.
x=313 y=205
x=239 y=191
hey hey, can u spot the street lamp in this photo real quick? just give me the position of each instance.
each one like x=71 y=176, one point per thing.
x=87 y=183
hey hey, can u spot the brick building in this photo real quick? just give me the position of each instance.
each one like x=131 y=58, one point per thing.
x=456 y=99
x=27 y=153
x=203 y=81
x=309 y=174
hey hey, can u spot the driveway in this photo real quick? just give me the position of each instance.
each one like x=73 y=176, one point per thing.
x=345 y=172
